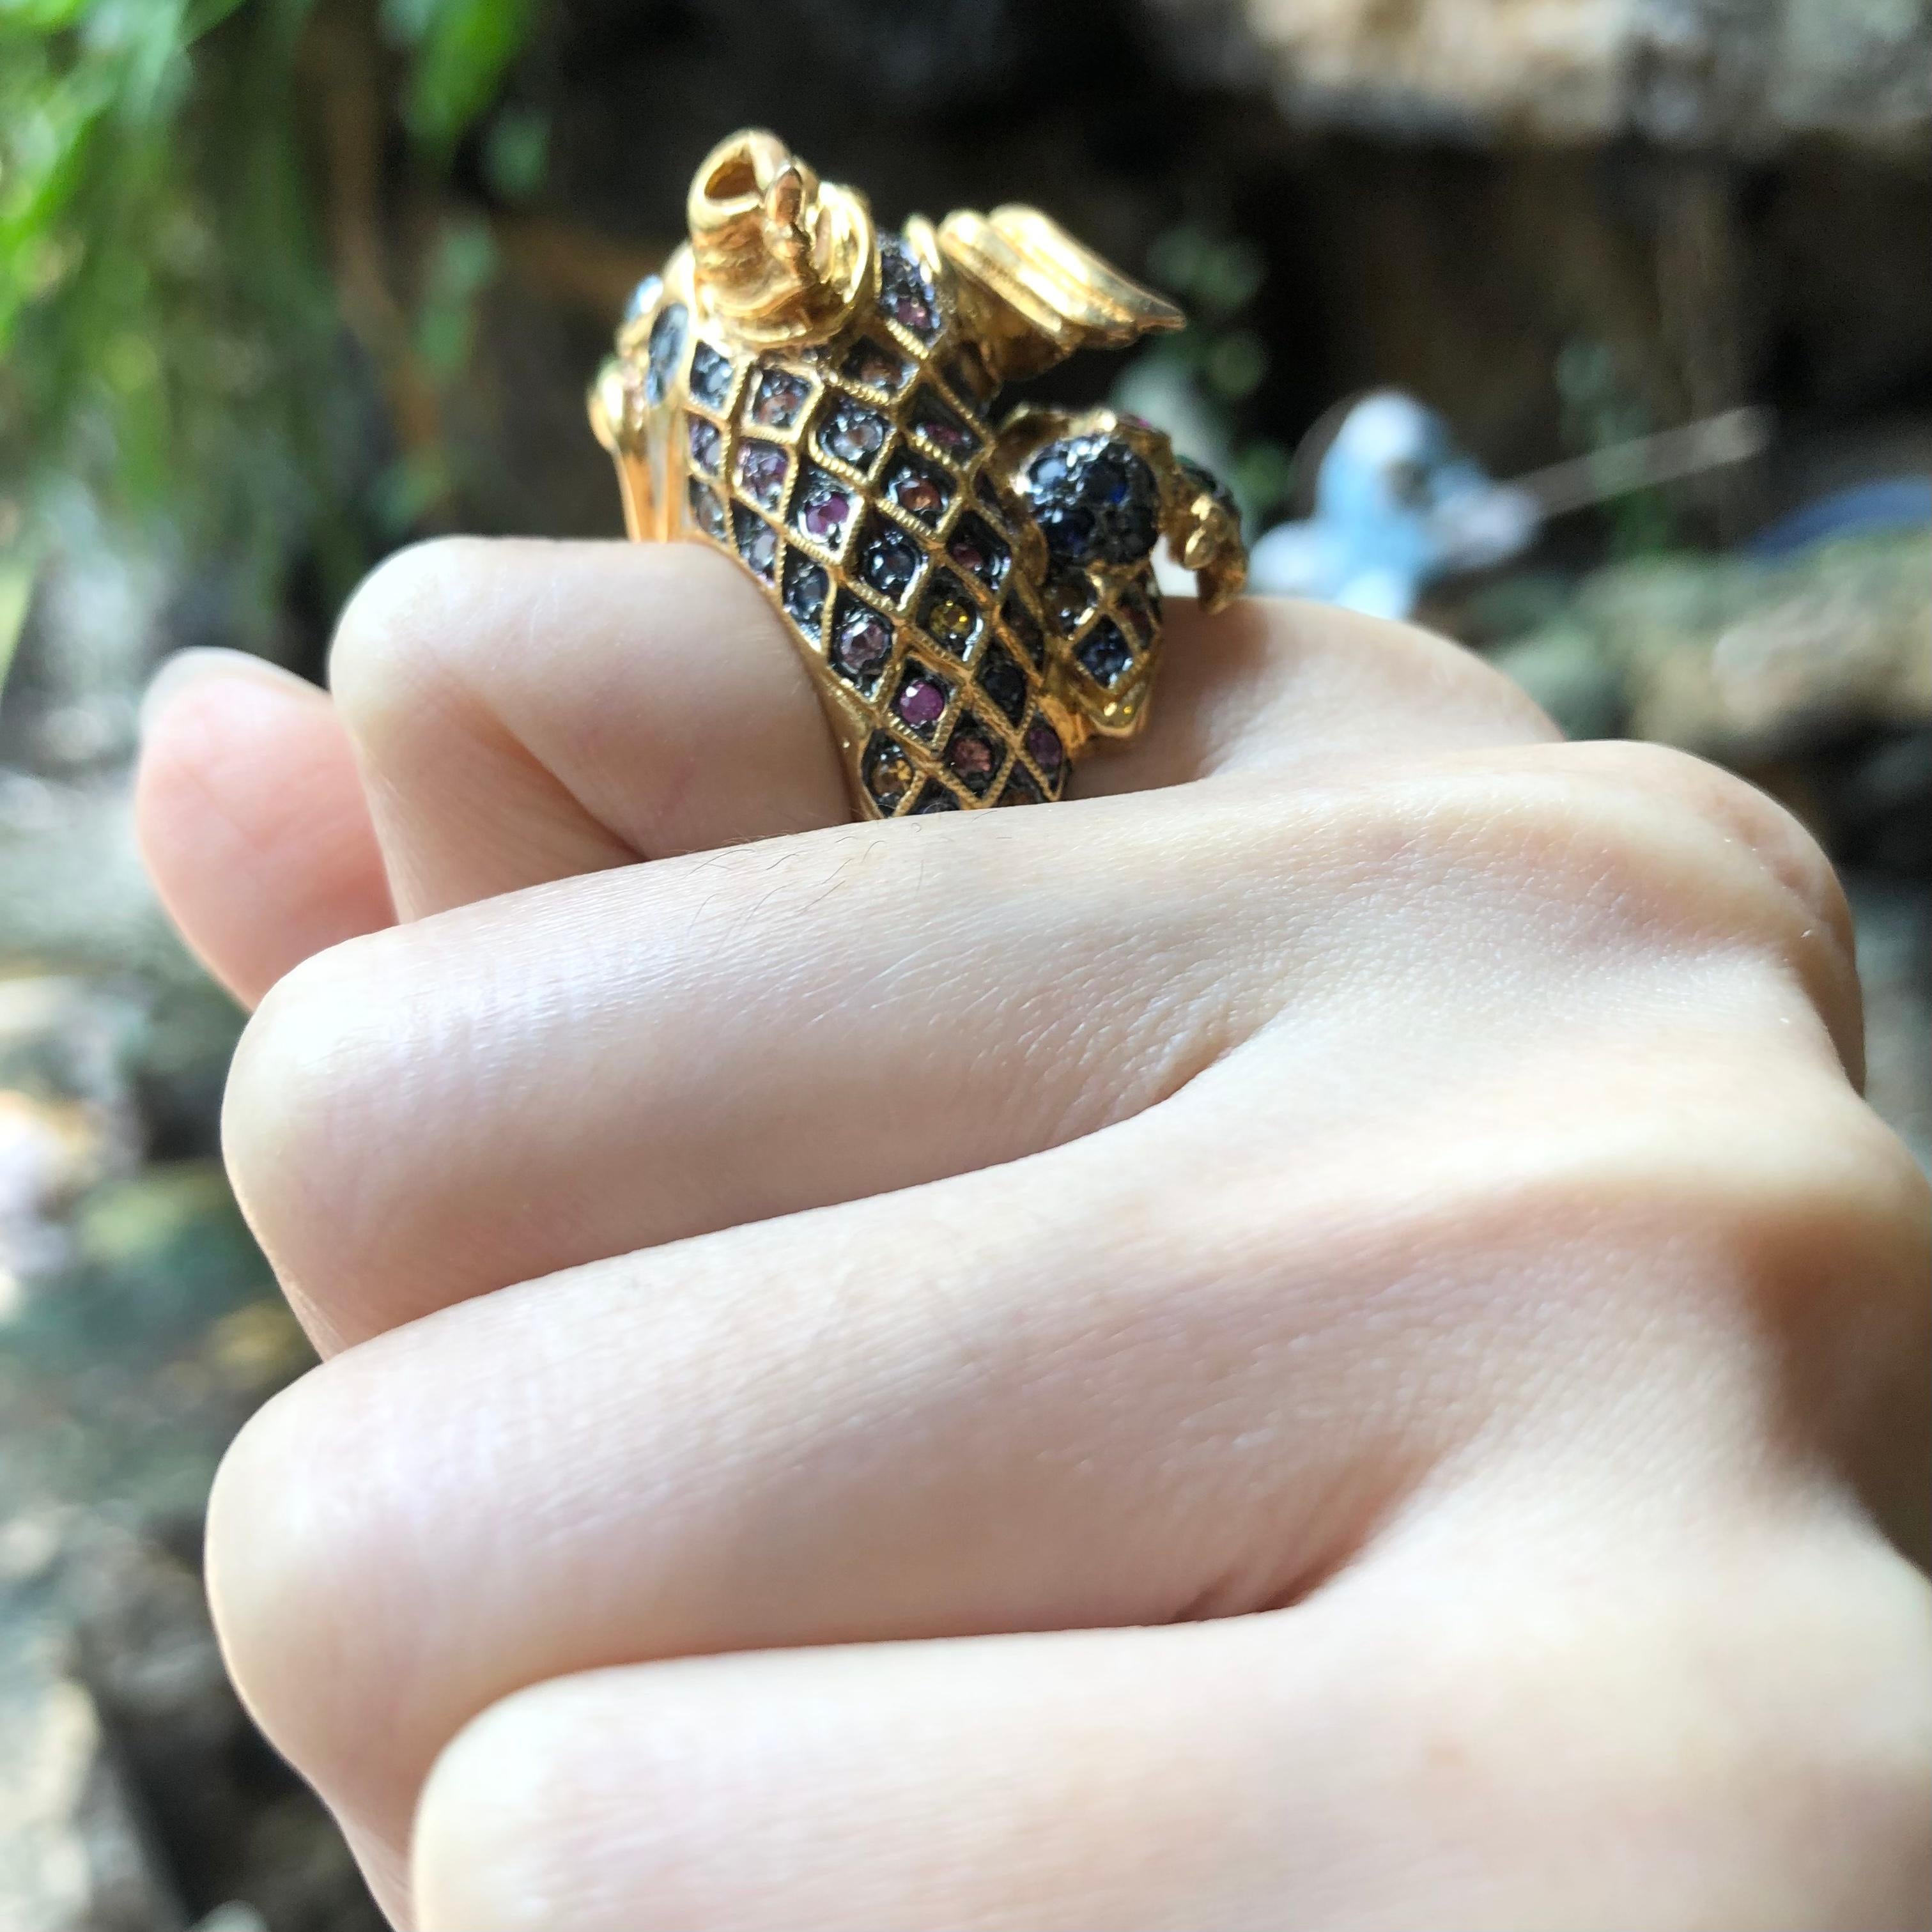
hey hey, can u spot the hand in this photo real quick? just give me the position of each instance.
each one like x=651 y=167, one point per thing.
x=1311 y=1342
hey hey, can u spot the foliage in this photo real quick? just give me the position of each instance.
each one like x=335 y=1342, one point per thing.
x=1220 y=357
x=173 y=336
x=1601 y=410
x=463 y=49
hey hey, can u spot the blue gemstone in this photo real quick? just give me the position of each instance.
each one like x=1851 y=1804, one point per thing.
x=1004 y=682
x=643 y=297
x=1105 y=654
x=1069 y=532
x=1096 y=500
x=710 y=376
x=807 y=586
x=666 y=352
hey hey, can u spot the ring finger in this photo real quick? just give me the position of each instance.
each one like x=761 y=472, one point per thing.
x=613 y=1063
x=523 y=712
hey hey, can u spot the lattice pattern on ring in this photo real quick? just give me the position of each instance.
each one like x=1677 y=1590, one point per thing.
x=850 y=479
x=977 y=606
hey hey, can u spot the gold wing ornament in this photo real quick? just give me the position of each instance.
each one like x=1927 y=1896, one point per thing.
x=1033 y=295
x=814 y=397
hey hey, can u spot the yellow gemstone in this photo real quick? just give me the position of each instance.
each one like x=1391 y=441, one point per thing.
x=950 y=620
x=892 y=776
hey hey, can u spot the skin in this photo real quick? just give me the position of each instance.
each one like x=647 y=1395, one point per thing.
x=1316 y=1337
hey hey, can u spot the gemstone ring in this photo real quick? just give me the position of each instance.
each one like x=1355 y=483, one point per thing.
x=977 y=602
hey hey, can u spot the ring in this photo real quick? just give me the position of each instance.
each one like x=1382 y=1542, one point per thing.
x=976 y=603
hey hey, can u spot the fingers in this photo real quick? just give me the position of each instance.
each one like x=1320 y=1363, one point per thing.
x=665 y=1051
x=526 y=711
x=1037 y=1781
x=503 y=748
x=250 y=815
x=533 y=732
x=1423 y=1748
x=1156 y=1374
x=1301 y=690
x=624 y=1060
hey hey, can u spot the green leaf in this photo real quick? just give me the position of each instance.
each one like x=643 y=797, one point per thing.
x=459 y=270
x=40 y=17
x=17 y=574
x=463 y=49
x=515 y=152
x=1235 y=365
x=1229 y=275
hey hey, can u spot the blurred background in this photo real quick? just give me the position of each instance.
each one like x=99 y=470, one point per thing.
x=285 y=283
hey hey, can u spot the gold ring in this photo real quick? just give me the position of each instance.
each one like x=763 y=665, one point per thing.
x=976 y=603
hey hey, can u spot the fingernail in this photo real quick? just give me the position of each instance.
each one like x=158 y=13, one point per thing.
x=202 y=665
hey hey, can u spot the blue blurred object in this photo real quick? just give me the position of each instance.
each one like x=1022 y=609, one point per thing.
x=1397 y=506
x=1896 y=503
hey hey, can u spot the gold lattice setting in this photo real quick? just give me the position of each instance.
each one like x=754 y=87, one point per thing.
x=813 y=397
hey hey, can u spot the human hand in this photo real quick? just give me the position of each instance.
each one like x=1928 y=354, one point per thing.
x=1310 y=1342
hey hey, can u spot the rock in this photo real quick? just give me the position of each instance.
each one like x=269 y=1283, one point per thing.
x=94 y=623
x=1755 y=664
x=1567 y=672
x=75 y=1854
x=1743 y=76
x=138 y=1329
x=133 y=1791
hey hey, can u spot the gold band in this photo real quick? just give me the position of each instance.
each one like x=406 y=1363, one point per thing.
x=975 y=603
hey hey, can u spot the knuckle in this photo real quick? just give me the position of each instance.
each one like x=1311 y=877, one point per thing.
x=1779 y=1163
x=1640 y=850
x=297 y=1116
x=290 y=1577
x=487 y=1832
x=1708 y=1690
x=388 y=634
x=1737 y=829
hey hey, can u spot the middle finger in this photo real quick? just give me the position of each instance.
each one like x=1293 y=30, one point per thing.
x=620 y=1060
x=614 y=1062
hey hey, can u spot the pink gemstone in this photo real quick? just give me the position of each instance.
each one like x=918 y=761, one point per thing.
x=780 y=398
x=921 y=703
x=761 y=549
x=1043 y=744
x=863 y=644
x=970 y=758
x=825 y=515
x=871 y=364
x=855 y=435
x=761 y=469
x=908 y=309
x=919 y=494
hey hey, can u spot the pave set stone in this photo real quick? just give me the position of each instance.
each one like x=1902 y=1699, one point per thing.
x=706 y=443
x=837 y=477
x=779 y=399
